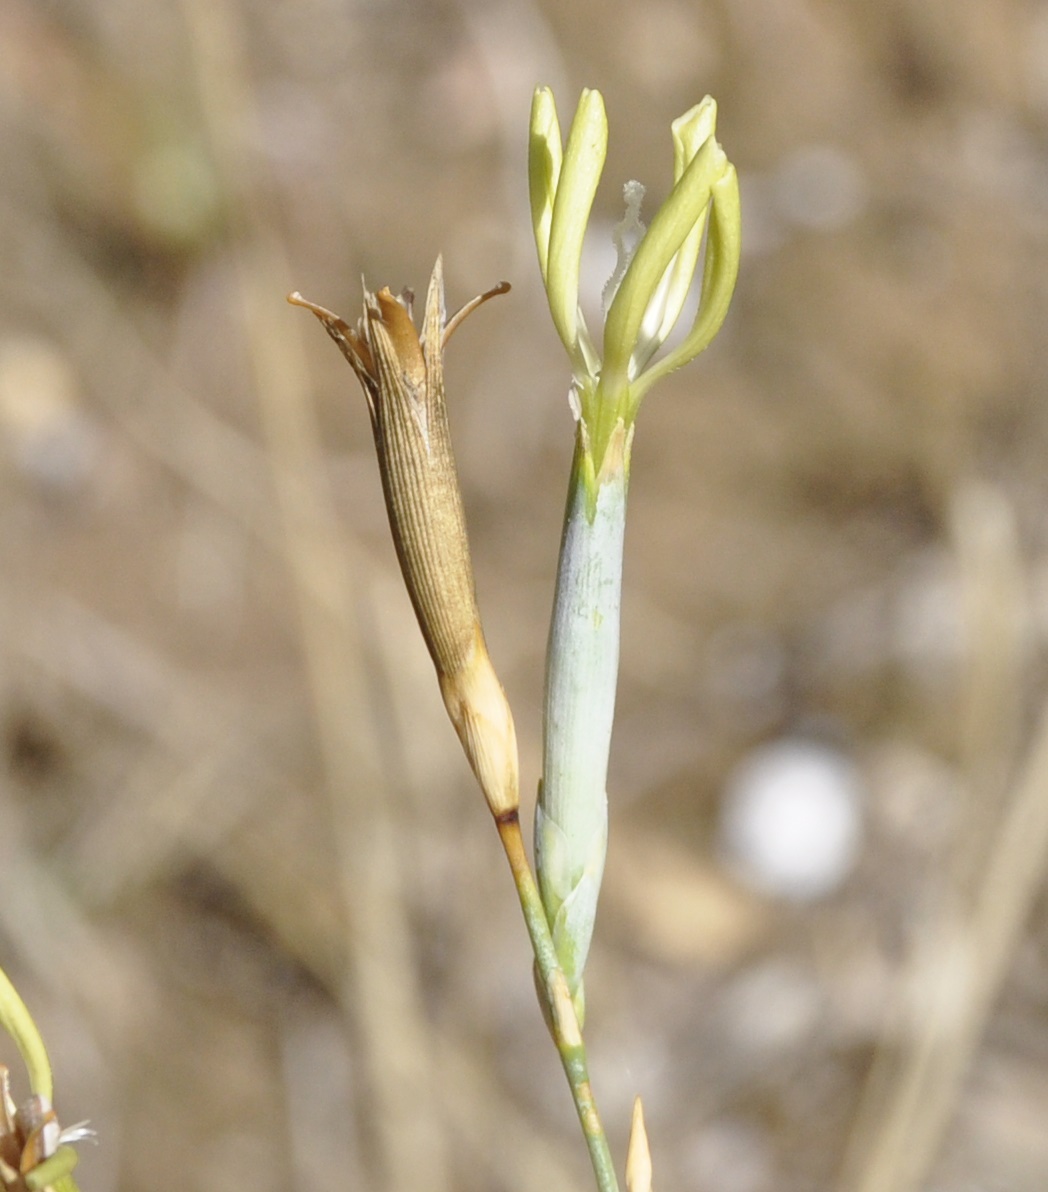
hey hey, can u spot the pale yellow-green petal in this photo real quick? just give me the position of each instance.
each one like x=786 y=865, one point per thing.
x=579 y=175
x=720 y=272
x=672 y=292
x=545 y=153
x=672 y=225
x=690 y=132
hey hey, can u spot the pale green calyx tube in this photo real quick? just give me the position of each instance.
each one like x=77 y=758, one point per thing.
x=607 y=388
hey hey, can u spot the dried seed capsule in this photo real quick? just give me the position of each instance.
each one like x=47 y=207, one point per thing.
x=402 y=374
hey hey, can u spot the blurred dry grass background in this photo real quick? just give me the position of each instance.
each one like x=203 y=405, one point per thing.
x=245 y=880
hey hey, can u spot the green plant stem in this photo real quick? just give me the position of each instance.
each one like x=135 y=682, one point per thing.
x=561 y=1017
x=18 y=1022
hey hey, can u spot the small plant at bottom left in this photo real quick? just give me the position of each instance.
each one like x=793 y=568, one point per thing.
x=35 y=1152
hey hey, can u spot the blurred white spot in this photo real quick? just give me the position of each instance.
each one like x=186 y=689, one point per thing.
x=820 y=187
x=52 y=441
x=791 y=819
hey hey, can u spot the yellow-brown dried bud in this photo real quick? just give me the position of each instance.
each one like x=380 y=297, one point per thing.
x=638 y=1156
x=402 y=373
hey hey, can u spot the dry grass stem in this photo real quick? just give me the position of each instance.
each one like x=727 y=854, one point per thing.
x=380 y=995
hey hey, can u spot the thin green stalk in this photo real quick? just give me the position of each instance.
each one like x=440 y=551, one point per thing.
x=564 y=1024
x=54 y=1172
x=18 y=1022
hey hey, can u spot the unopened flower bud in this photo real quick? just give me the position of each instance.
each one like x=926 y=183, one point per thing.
x=638 y=1156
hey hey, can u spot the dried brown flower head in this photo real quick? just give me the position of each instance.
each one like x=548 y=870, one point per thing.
x=402 y=374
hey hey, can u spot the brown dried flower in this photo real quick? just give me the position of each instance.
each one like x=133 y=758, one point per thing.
x=402 y=374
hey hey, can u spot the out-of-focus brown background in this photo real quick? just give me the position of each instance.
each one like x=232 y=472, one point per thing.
x=246 y=883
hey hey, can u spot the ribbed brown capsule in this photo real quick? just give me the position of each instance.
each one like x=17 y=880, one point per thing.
x=402 y=374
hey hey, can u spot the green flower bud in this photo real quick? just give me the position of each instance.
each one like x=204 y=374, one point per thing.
x=648 y=301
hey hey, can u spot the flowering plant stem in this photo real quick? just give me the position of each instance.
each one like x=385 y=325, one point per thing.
x=401 y=371
x=610 y=376
x=46 y=1162
x=563 y=1022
